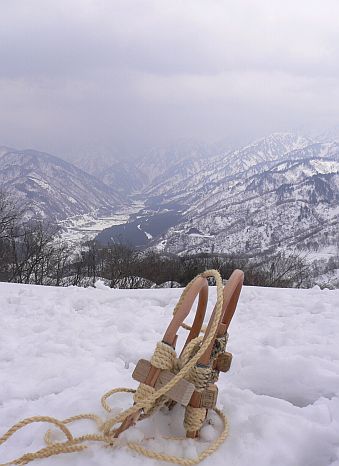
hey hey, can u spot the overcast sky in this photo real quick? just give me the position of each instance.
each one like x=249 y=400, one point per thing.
x=81 y=73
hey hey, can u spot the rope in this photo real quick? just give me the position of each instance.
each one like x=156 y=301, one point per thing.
x=145 y=400
x=200 y=377
x=137 y=447
x=142 y=393
x=194 y=418
x=163 y=357
x=104 y=403
x=189 y=351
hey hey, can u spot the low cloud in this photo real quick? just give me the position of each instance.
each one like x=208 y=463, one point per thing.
x=134 y=73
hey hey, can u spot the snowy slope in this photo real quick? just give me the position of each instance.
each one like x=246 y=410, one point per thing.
x=53 y=187
x=95 y=159
x=294 y=203
x=214 y=169
x=131 y=173
x=61 y=349
x=174 y=162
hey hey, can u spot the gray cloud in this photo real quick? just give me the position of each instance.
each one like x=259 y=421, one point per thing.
x=131 y=73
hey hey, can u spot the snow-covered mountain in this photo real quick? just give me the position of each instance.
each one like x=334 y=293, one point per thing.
x=52 y=187
x=278 y=192
x=273 y=147
x=214 y=169
x=222 y=170
x=175 y=160
x=281 y=192
x=293 y=204
x=184 y=165
x=4 y=150
x=137 y=173
x=126 y=178
x=95 y=159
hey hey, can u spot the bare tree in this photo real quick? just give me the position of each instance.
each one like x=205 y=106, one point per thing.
x=33 y=252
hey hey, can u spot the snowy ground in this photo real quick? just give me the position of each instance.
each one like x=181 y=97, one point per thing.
x=82 y=228
x=61 y=349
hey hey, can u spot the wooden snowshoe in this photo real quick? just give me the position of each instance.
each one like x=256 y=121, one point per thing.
x=197 y=391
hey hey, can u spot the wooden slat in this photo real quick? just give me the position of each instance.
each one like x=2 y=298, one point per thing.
x=181 y=392
x=222 y=329
x=205 y=399
x=209 y=397
x=141 y=370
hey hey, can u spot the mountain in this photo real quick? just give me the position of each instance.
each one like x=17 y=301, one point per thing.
x=280 y=192
x=4 y=149
x=132 y=174
x=126 y=178
x=95 y=159
x=163 y=163
x=52 y=187
x=294 y=204
x=222 y=170
x=273 y=147
x=277 y=192
x=223 y=164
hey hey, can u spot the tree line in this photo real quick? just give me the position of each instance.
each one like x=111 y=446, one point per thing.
x=32 y=252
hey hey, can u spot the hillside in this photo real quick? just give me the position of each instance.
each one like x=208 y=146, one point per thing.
x=281 y=191
x=52 y=187
x=224 y=164
x=63 y=348
x=294 y=204
x=140 y=172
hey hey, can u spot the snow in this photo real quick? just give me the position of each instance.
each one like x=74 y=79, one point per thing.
x=325 y=166
x=40 y=182
x=61 y=349
x=198 y=235
x=82 y=228
x=148 y=235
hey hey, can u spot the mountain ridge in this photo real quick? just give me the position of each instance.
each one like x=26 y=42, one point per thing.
x=52 y=187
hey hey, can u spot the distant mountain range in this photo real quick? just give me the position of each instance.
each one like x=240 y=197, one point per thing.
x=280 y=192
x=291 y=205
x=134 y=174
x=265 y=195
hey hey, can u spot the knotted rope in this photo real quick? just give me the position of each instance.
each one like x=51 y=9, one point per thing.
x=146 y=400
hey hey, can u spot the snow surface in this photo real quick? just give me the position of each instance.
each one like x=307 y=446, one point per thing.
x=81 y=228
x=61 y=349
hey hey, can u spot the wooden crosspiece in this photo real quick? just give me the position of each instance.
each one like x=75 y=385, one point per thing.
x=181 y=393
x=223 y=362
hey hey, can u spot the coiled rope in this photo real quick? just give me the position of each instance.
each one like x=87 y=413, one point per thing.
x=145 y=401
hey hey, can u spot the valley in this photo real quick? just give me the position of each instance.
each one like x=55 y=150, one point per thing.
x=279 y=193
x=83 y=228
